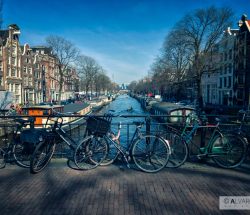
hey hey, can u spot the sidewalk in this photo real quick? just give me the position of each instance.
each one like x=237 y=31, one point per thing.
x=191 y=189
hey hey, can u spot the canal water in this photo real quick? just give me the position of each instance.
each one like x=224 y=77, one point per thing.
x=126 y=106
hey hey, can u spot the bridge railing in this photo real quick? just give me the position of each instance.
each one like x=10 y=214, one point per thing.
x=76 y=128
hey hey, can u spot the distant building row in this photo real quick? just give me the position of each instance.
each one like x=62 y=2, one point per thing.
x=226 y=80
x=31 y=73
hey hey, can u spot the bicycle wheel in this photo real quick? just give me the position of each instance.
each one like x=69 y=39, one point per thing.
x=178 y=147
x=2 y=159
x=42 y=155
x=90 y=153
x=150 y=153
x=21 y=155
x=112 y=154
x=228 y=151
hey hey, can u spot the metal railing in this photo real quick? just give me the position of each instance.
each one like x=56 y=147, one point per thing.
x=76 y=128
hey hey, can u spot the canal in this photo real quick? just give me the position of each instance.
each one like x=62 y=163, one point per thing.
x=126 y=106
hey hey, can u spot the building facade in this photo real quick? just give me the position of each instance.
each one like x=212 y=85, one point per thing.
x=242 y=64
x=11 y=75
x=226 y=78
x=31 y=73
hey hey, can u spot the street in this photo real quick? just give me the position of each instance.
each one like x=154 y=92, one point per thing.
x=191 y=189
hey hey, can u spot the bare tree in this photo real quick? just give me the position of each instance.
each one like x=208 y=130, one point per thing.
x=200 y=31
x=102 y=82
x=66 y=53
x=176 y=54
x=87 y=70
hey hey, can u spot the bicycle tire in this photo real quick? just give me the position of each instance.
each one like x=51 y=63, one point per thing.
x=90 y=153
x=179 y=149
x=228 y=151
x=42 y=155
x=2 y=158
x=112 y=154
x=150 y=153
x=21 y=156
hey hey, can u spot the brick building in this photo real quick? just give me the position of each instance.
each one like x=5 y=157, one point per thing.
x=242 y=64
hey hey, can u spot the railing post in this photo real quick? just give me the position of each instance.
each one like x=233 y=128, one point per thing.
x=127 y=134
x=148 y=122
x=203 y=130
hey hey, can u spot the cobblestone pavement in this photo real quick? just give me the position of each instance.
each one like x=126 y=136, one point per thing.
x=191 y=189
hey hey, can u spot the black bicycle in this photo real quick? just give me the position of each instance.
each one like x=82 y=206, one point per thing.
x=87 y=150
x=149 y=152
x=13 y=146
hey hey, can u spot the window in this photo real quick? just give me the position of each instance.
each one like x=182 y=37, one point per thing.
x=221 y=57
x=225 y=69
x=30 y=70
x=13 y=72
x=229 y=81
x=240 y=79
x=221 y=70
x=17 y=89
x=230 y=68
x=230 y=54
x=25 y=69
x=225 y=81
x=220 y=82
x=1 y=80
x=240 y=94
x=30 y=82
x=225 y=56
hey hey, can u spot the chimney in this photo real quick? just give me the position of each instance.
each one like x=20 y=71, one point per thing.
x=244 y=17
x=240 y=23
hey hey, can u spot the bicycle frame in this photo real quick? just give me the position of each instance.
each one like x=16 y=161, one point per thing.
x=188 y=136
x=125 y=151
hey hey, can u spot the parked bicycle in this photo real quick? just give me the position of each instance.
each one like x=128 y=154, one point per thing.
x=226 y=149
x=150 y=153
x=243 y=128
x=14 y=147
x=90 y=148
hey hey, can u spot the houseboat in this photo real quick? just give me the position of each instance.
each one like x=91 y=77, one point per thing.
x=41 y=112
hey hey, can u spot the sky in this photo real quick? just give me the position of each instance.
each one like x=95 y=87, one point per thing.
x=123 y=36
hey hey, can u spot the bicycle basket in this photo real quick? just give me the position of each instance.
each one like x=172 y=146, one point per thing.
x=98 y=126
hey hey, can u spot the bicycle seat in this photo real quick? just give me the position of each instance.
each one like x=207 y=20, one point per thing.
x=138 y=123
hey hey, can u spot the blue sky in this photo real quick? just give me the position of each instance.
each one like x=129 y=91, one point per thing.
x=124 y=36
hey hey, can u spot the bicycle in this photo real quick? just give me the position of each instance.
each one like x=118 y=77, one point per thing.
x=242 y=128
x=150 y=153
x=226 y=149
x=16 y=150
x=89 y=149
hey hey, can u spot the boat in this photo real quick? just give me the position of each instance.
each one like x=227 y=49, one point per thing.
x=130 y=109
x=41 y=112
x=96 y=104
x=78 y=108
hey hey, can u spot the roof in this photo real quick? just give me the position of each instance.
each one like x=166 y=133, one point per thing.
x=248 y=24
x=168 y=107
x=46 y=50
x=43 y=107
x=75 y=107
